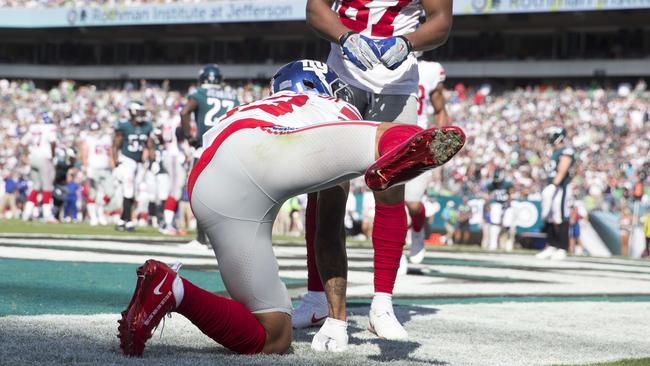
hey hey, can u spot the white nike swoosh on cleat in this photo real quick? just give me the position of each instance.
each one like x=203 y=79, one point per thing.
x=156 y=291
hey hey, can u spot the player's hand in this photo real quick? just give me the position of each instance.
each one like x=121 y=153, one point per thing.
x=393 y=51
x=332 y=336
x=360 y=50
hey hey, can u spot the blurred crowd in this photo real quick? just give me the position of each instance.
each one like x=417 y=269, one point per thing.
x=87 y=3
x=608 y=128
x=73 y=109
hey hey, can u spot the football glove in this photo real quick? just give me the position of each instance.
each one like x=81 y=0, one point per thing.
x=393 y=51
x=332 y=336
x=360 y=50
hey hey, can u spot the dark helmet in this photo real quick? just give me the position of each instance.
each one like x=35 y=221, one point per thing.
x=308 y=75
x=210 y=74
x=137 y=111
x=555 y=134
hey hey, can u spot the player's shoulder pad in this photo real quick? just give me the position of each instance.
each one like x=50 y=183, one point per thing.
x=568 y=151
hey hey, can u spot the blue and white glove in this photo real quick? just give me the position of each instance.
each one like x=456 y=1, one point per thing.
x=332 y=336
x=360 y=50
x=393 y=51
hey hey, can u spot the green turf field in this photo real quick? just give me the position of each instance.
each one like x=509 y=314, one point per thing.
x=35 y=227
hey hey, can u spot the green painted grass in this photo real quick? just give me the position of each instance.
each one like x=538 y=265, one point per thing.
x=31 y=287
x=35 y=227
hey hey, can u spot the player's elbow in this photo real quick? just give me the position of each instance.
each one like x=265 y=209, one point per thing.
x=444 y=23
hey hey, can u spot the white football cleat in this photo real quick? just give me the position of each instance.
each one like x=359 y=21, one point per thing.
x=385 y=325
x=312 y=311
x=332 y=336
x=546 y=253
x=559 y=255
x=416 y=254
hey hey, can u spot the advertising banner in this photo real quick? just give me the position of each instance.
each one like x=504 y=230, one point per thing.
x=526 y=215
x=226 y=11
x=232 y=11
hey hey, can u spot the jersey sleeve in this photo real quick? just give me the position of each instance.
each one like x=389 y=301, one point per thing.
x=193 y=96
x=567 y=151
x=442 y=75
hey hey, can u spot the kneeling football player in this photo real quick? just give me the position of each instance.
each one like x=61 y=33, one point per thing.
x=256 y=157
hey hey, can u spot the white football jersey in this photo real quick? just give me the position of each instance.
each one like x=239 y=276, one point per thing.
x=431 y=74
x=287 y=110
x=168 y=128
x=39 y=138
x=378 y=19
x=99 y=150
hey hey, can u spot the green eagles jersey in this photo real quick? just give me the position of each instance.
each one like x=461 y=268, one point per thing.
x=552 y=165
x=500 y=190
x=135 y=138
x=211 y=105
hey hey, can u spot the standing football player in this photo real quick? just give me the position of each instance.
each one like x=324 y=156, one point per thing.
x=132 y=145
x=98 y=163
x=501 y=217
x=40 y=141
x=557 y=197
x=257 y=157
x=208 y=103
x=372 y=51
x=173 y=162
x=431 y=111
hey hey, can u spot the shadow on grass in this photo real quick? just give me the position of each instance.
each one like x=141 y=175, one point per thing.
x=388 y=350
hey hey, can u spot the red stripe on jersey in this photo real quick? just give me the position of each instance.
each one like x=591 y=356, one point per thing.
x=385 y=27
x=350 y=113
x=248 y=123
x=354 y=123
x=360 y=21
x=208 y=154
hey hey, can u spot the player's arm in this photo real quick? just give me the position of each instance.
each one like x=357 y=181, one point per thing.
x=360 y=50
x=186 y=116
x=562 y=169
x=435 y=30
x=324 y=21
x=117 y=143
x=437 y=97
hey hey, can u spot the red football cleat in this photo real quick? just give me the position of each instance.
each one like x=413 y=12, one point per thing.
x=152 y=299
x=425 y=150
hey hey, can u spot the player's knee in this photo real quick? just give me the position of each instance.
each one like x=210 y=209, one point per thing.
x=413 y=207
x=278 y=340
x=278 y=345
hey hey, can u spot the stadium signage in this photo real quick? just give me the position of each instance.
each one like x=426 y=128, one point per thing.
x=230 y=11
x=226 y=11
x=475 y=7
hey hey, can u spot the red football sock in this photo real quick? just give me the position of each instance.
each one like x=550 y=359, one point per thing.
x=395 y=136
x=47 y=196
x=313 y=277
x=388 y=238
x=171 y=204
x=32 y=197
x=226 y=321
x=417 y=220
